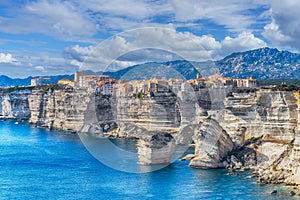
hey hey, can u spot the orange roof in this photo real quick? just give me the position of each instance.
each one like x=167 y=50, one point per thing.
x=227 y=79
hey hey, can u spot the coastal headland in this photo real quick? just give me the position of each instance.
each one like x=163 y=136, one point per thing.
x=232 y=124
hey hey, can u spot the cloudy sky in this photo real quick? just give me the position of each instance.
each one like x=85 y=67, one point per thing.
x=44 y=37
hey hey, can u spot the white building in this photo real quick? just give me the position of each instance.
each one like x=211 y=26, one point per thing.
x=107 y=88
x=39 y=81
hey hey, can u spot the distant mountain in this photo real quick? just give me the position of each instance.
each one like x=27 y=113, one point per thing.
x=263 y=64
x=6 y=81
x=172 y=69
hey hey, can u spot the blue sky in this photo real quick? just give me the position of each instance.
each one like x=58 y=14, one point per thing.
x=44 y=37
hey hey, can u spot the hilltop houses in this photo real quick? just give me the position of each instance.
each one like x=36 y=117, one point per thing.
x=66 y=82
x=104 y=85
x=39 y=81
x=235 y=82
x=88 y=81
x=246 y=83
x=150 y=87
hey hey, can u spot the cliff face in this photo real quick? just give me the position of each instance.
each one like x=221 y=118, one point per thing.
x=61 y=109
x=156 y=149
x=15 y=104
x=212 y=145
x=127 y=116
x=272 y=116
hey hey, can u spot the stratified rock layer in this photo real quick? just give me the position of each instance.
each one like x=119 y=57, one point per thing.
x=61 y=109
x=157 y=149
x=269 y=117
x=15 y=104
x=212 y=145
x=272 y=116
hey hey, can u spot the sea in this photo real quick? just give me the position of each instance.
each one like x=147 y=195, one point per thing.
x=40 y=164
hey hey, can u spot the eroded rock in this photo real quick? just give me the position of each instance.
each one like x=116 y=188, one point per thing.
x=212 y=145
x=156 y=149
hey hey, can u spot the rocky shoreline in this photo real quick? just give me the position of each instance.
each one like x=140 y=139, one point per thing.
x=251 y=130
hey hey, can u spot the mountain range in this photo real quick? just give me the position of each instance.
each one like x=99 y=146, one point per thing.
x=264 y=63
x=6 y=81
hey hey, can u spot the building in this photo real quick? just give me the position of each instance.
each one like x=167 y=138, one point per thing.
x=227 y=81
x=199 y=76
x=33 y=82
x=88 y=81
x=252 y=82
x=163 y=85
x=175 y=85
x=107 y=88
x=40 y=81
x=124 y=88
x=77 y=76
x=246 y=83
x=153 y=87
x=66 y=82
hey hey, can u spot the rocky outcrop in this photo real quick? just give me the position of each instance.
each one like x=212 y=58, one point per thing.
x=15 y=104
x=271 y=114
x=212 y=145
x=269 y=123
x=160 y=112
x=261 y=127
x=156 y=149
x=60 y=109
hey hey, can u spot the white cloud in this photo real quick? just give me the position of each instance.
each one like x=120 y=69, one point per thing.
x=284 y=29
x=83 y=20
x=233 y=14
x=274 y=34
x=142 y=45
x=40 y=69
x=33 y=63
x=60 y=19
x=8 y=59
x=156 y=44
x=244 y=41
x=135 y=9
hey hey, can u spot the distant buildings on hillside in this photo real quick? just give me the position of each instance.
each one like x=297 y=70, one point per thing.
x=247 y=83
x=104 y=85
x=66 y=82
x=82 y=80
x=101 y=84
x=39 y=81
x=235 y=82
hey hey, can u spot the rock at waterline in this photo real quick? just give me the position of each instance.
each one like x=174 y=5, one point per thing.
x=292 y=193
x=212 y=145
x=188 y=157
x=274 y=192
x=156 y=149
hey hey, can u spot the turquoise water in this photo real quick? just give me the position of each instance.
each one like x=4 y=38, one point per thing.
x=41 y=164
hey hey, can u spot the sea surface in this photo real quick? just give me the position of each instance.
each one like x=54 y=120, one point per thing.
x=40 y=164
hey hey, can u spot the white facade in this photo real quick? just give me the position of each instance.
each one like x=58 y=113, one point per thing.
x=107 y=88
x=33 y=82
